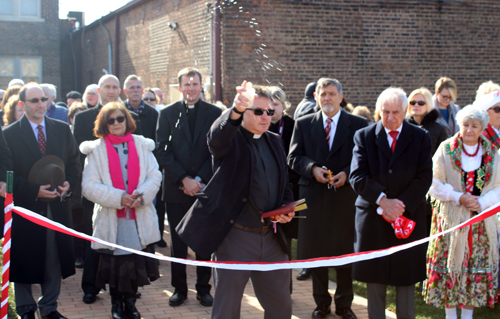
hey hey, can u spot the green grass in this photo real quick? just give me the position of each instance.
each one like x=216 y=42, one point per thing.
x=12 y=303
x=422 y=310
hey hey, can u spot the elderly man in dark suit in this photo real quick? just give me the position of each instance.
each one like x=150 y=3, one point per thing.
x=40 y=255
x=391 y=172
x=182 y=152
x=323 y=142
x=227 y=219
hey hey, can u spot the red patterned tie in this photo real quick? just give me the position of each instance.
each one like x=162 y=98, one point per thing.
x=394 y=135
x=41 y=140
x=328 y=128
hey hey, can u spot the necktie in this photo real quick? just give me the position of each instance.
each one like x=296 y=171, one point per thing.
x=394 y=135
x=328 y=128
x=41 y=140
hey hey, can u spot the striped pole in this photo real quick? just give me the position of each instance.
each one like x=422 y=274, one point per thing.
x=6 y=245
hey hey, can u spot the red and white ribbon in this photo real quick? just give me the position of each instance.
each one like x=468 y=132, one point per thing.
x=9 y=205
x=260 y=266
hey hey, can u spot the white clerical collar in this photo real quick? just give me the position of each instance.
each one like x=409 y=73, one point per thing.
x=190 y=106
x=257 y=136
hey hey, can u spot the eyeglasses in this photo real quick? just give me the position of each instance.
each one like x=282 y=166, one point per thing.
x=446 y=97
x=149 y=99
x=495 y=109
x=260 y=112
x=35 y=100
x=418 y=102
x=119 y=119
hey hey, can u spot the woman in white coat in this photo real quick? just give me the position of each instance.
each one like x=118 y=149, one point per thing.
x=121 y=177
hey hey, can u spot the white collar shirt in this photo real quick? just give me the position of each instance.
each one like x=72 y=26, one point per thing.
x=34 y=126
x=335 y=120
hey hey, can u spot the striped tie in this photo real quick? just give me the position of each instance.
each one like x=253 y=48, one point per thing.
x=328 y=128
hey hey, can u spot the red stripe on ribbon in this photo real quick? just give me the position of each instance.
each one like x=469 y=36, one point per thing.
x=6 y=256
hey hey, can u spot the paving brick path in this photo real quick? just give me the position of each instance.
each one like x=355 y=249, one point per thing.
x=154 y=301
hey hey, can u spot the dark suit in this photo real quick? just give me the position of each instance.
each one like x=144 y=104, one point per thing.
x=208 y=225
x=5 y=165
x=183 y=151
x=406 y=175
x=28 y=254
x=328 y=229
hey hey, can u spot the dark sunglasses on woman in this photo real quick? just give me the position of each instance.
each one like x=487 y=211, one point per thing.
x=418 y=102
x=119 y=119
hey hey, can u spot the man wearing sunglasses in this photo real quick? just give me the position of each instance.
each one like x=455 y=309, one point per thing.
x=39 y=255
x=182 y=153
x=321 y=146
x=251 y=176
x=148 y=116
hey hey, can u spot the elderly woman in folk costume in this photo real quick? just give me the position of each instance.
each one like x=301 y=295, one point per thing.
x=462 y=266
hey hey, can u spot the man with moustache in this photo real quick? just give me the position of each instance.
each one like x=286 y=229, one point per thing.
x=109 y=91
x=227 y=220
x=323 y=142
x=182 y=152
x=39 y=255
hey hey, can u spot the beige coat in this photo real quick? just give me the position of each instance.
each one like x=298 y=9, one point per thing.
x=97 y=187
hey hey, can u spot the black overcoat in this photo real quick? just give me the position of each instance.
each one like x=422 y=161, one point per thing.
x=180 y=154
x=211 y=218
x=406 y=175
x=28 y=239
x=5 y=165
x=328 y=229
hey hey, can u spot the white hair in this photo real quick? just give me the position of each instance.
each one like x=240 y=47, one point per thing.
x=16 y=82
x=473 y=113
x=105 y=77
x=392 y=94
x=91 y=88
x=51 y=88
x=487 y=87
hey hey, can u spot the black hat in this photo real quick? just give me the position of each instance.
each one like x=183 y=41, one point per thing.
x=48 y=170
x=73 y=95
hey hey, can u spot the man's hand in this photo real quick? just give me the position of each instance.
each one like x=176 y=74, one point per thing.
x=285 y=218
x=339 y=179
x=470 y=202
x=393 y=208
x=64 y=189
x=240 y=101
x=3 y=189
x=319 y=173
x=190 y=186
x=43 y=192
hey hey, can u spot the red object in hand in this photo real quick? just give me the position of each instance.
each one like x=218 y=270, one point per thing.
x=403 y=227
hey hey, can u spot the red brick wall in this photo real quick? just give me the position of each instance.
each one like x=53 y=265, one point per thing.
x=36 y=39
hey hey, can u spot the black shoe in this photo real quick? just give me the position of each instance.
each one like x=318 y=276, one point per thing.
x=304 y=274
x=117 y=305
x=177 y=299
x=162 y=243
x=138 y=295
x=130 y=309
x=321 y=311
x=54 y=315
x=205 y=299
x=345 y=313
x=89 y=298
x=29 y=315
x=79 y=262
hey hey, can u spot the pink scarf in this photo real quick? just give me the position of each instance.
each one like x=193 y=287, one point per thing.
x=115 y=170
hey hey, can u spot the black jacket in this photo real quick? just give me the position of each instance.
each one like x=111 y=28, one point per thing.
x=437 y=131
x=147 y=120
x=212 y=216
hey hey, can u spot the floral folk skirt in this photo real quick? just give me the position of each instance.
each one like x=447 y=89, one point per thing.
x=475 y=287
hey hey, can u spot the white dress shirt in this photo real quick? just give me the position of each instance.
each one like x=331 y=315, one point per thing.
x=335 y=120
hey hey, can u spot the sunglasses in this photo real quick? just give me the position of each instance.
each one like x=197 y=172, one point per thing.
x=417 y=102
x=495 y=109
x=35 y=100
x=260 y=112
x=149 y=99
x=119 y=119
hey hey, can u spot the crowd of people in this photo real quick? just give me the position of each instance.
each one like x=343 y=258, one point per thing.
x=114 y=168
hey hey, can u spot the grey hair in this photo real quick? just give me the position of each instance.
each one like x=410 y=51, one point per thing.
x=473 y=113
x=91 y=88
x=392 y=94
x=324 y=82
x=130 y=78
x=51 y=88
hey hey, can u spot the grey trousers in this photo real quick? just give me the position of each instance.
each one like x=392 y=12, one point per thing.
x=272 y=288
x=51 y=286
x=405 y=301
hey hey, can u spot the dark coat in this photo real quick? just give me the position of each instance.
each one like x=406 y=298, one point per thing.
x=5 y=165
x=328 y=229
x=437 y=131
x=28 y=239
x=148 y=119
x=211 y=217
x=406 y=175
x=179 y=153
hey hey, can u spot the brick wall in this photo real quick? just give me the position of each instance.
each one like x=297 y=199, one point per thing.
x=36 y=39
x=366 y=46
